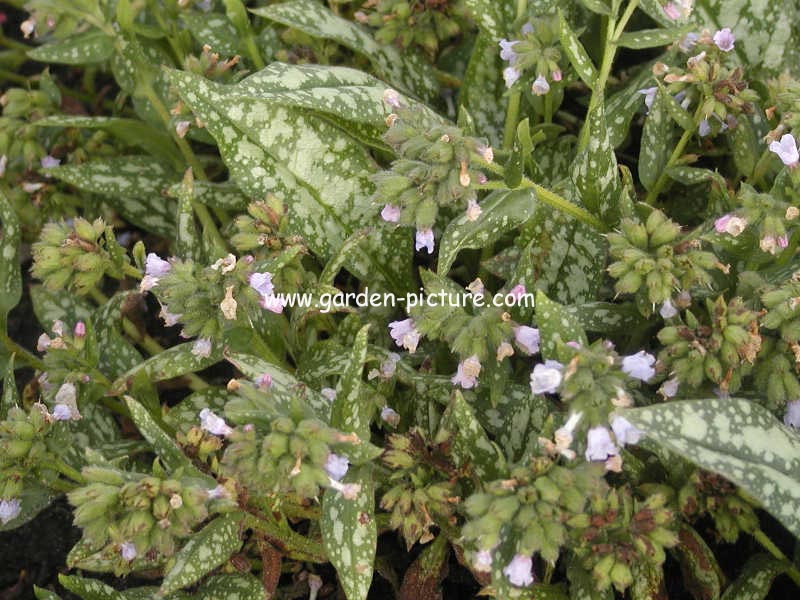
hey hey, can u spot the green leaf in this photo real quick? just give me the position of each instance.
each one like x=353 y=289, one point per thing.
x=694 y=175
x=576 y=52
x=745 y=143
x=623 y=104
x=186 y=415
x=481 y=93
x=132 y=185
x=607 y=317
x=678 y=114
x=173 y=362
x=597 y=6
x=205 y=551
x=701 y=573
x=321 y=175
x=594 y=171
x=89 y=589
x=232 y=587
x=652 y=38
x=350 y=533
x=10 y=276
x=408 y=69
x=86 y=48
x=51 y=306
x=493 y=17
x=33 y=499
x=556 y=324
x=164 y=446
x=755 y=580
x=214 y=30
x=765 y=37
x=284 y=386
x=351 y=411
x=187 y=241
x=471 y=445
x=502 y=211
x=149 y=592
x=737 y=439
x=43 y=594
x=10 y=397
x=656 y=141
x=130 y=131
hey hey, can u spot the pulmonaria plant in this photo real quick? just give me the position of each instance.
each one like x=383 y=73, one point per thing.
x=323 y=299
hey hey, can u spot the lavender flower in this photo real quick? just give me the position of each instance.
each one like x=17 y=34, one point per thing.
x=390 y=213
x=639 y=365
x=668 y=309
x=390 y=416
x=625 y=431
x=540 y=86
x=9 y=510
x=214 y=424
x=599 y=445
x=336 y=466
x=424 y=239
x=127 y=550
x=467 y=374
x=507 y=50
x=48 y=162
x=520 y=570
x=786 y=150
x=792 y=416
x=527 y=338
x=649 y=96
x=511 y=75
x=404 y=334
x=724 y=39
x=546 y=377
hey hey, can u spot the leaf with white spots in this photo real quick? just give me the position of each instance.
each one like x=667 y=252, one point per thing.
x=594 y=171
x=52 y=306
x=187 y=240
x=765 y=37
x=701 y=573
x=655 y=10
x=149 y=592
x=213 y=30
x=408 y=70
x=33 y=499
x=483 y=88
x=132 y=185
x=10 y=395
x=656 y=141
x=556 y=324
x=576 y=52
x=607 y=317
x=186 y=414
x=43 y=594
x=232 y=587
x=501 y=212
x=623 y=104
x=694 y=175
x=10 y=276
x=86 y=48
x=225 y=195
x=738 y=439
x=166 y=448
x=351 y=410
x=173 y=362
x=132 y=132
x=755 y=579
x=492 y=16
x=89 y=589
x=350 y=533
x=273 y=144
x=471 y=445
x=205 y=551
x=117 y=354
x=652 y=38
x=285 y=387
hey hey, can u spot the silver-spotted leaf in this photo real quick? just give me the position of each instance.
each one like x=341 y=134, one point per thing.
x=556 y=324
x=164 y=446
x=656 y=141
x=232 y=587
x=10 y=275
x=755 y=580
x=576 y=52
x=80 y=49
x=738 y=439
x=471 y=445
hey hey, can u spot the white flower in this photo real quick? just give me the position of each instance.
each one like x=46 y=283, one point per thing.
x=156 y=266
x=563 y=435
x=483 y=561
x=336 y=466
x=639 y=365
x=730 y=224
x=61 y=412
x=599 y=445
x=9 y=510
x=792 y=416
x=3 y=165
x=649 y=96
x=467 y=374
x=669 y=388
x=229 y=304
x=527 y=339
x=391 y=213
x=218 y=493
x=169 y=318
x=424 y=239
x=127 y=550
x=625 y=431
x=540 y=86
x=668 y=309
x=28 y=27
x=786 y=150
x=202 y=348
x=48 y=162
x=31 y=187
x=390 y=416
x=546 y=377
x=724 y=39
x=182 y=128
x=510 y=74
x=328 y=393
x=391 y=97
x=43 y=343
x=504 y=350
x=404 y=334
x=214 y=424
x=349 y=490
x=262 y=283
x=704 y=128
x=226 y=264
x=473 y=210
x=519 y=571
x=507 y=50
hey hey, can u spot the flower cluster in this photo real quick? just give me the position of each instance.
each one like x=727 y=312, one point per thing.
x=26 y=454
x=537 y=50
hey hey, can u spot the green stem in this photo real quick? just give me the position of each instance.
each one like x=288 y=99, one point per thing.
x=562 y=204
x=770 y=547
x=68 y=471
x=253 y=52
x=11 y=76
x=293 y=545
x=515 y=97
x=677 y=152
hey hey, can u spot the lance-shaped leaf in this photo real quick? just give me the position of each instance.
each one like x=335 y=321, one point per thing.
x=80 y=49
x=321 y=175
x=492 y=17
x=232 y=587
x=594 y=171
x=187 y=240
x=765 y=37
x=225 y=195
x=471 y=445
x=132 y=185
x=576 y=52
x=130 y=131
x=623 y=104
x=149 y=592
x=350 y=533
x=755 y=580
x=172 y=362
x=481 y=93
x=406 y=70
x=166 y=448
x=738 y=439
x=10 y=276
x=51 y=306
x=205 y=551
x=33 y=499
x=556 y=324
x=694 y=175
x=186 y=415
x=213 y=29
x=351 y=411
x=89 y=589
x=502 y=211
x=43 y=594
x=117 y=354
x=607 y=317
x=652 y=38
x=701 y=573
x=284 y=388
x=656 y=141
